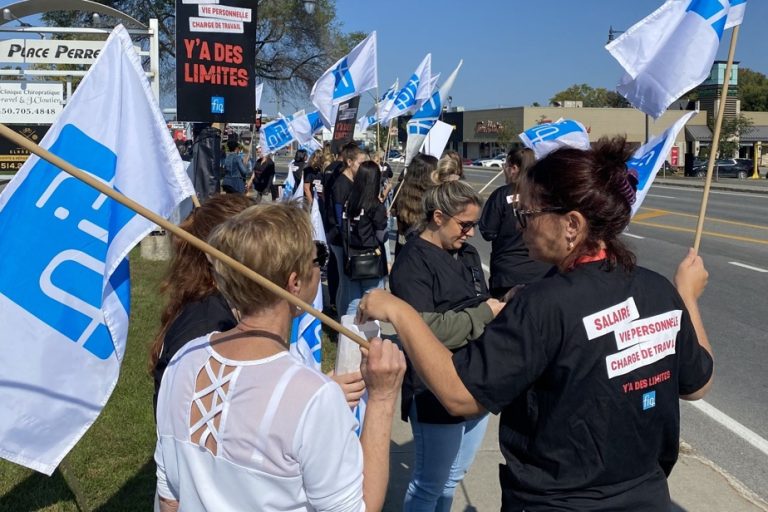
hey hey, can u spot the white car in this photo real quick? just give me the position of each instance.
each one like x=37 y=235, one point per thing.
x=495 y=161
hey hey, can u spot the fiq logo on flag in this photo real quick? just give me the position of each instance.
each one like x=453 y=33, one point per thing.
x=545 y=138
x=61 y=285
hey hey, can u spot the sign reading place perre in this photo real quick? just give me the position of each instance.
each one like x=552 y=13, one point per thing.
x=30 y=102
x=49 y=51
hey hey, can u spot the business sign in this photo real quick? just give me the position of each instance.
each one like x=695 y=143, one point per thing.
x=215 y=61
x=30 y=102
x=48 y=51
x=13 y=156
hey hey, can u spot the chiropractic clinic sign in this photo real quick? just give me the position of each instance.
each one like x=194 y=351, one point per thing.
x=215 y=60
x=49 y=51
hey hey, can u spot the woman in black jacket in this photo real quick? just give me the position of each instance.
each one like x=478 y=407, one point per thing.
x=510 y=263
x=365 y=230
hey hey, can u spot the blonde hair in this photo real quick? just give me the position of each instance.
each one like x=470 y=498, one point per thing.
x=451 y=196
x=274 y=240
x=446 y=167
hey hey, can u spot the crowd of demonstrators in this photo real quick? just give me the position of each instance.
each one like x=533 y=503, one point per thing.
x=440 y=275
x=408 y=207
x=241 y=424
x=510 y=263
x=235 y=169
x=364 y=233
x=589 y=419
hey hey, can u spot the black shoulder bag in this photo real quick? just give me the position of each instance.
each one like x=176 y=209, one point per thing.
x=359 y=264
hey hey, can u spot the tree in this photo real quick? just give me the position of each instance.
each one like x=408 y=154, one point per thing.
x=293 y=48
x=590 y=96
x=507 y=134
x=753 y=90
x=730 y=132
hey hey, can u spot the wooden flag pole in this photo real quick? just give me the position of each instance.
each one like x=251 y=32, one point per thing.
x=492 y=180
x=378 y=142
x=715 y=139
x=171 y=227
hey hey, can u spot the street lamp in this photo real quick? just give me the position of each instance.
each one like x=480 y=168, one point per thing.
x=309 y=6
x=9 y=16
x=611 y=36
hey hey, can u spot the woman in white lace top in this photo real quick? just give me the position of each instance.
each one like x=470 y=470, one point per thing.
x=241 y=424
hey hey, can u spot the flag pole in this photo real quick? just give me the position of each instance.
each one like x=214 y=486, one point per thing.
x=492 y=180
x=715 y=139
x=171 y=227
x=378 y=142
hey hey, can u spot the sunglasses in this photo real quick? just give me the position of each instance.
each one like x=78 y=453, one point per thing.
x=322 y=254
x=465 y=225
x=522 y=215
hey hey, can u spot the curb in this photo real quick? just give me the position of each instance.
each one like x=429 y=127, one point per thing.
x=760 y=187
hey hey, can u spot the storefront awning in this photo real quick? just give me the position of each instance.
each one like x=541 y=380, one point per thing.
x=698 y=133
x=755 y=134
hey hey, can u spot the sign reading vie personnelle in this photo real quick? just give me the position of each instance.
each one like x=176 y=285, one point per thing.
x=215 y=60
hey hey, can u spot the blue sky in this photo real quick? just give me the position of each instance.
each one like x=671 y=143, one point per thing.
x=516 y=52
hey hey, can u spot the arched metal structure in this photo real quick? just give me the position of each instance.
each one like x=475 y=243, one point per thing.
x=32 y=7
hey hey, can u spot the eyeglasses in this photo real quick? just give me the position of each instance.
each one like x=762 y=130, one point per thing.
x=522 y=215
x=465 y=225
x=322 y=254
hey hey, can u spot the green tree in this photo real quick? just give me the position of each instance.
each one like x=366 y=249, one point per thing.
x=753 y=90
x=590 y=96
x=293 y=48
x=507 y=134
x=730 y=132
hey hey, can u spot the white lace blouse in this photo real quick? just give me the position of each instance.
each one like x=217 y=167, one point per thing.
x=276 y=435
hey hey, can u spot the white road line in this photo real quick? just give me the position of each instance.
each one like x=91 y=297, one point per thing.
x=750 y=267
x=734 y=426
x=661 y=197
x=630 y=235
x=756 y=195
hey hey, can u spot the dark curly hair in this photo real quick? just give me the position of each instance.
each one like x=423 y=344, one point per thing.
x=595 y=183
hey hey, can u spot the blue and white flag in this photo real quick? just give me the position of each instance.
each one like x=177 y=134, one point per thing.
x=378 y=110
x=671 y=51
x=649 y=158
x=304 y=126
x=736 y=13
x=350 y=76
x=426 y=117
x=547 y=137
x=292 y=191
x=64 y=288
x=275 y=135
x=306 y=340
x=413 y=93
x=387 y=101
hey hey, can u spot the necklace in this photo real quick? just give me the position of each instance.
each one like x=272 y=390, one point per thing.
x=255 y=333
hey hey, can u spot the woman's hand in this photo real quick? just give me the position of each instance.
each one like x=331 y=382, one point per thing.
x=495 y=305
x=378 y=304
x=691 y=276
x=383 y=367
x=352 y=384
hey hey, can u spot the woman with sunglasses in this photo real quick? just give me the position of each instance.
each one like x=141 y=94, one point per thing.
x=511 y=265
x=243 y=425
x=586 y=367
x=440 y=275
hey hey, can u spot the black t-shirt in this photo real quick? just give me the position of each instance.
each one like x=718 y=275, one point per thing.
x=196 y=319
x=263 y=172
x=342 y=187
x=431 y=279
x=510 y=262
x=364 y=227
x=312 y=176
x=587 y=368
x=330 y=175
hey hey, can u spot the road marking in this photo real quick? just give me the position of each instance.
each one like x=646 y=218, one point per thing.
x=708 y=233
x=650 y=214
x=731 y=424
x=750 y=267
x=630 y=235
x=756 y=194
x=661 y=197
x=692 y=216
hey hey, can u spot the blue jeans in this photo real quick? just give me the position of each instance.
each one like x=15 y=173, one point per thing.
x=338 y=253
x=442 y=456
x=356 y=290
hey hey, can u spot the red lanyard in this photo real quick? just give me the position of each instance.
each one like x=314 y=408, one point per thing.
x=600 y=255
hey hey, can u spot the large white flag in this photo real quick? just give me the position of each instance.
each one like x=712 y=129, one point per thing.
x=671 y=51
x=547 y=137
x=259 y=91
x=304 y=126
x=426 y=117
x=649 y=158
x=736 y=13
x=350 y=76
x=414 y=92
x=306 y=340
x=64 y=289
x=437 y=139
x=377 y=112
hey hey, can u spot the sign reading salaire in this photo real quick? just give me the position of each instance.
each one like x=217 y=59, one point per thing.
x=30 y=102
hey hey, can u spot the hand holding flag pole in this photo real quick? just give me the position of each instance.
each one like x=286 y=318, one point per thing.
x=170 y=227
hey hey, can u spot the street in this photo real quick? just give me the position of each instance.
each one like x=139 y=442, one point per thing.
x=730 y=426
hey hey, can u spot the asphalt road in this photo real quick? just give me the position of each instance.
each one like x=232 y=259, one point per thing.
x=731 y=426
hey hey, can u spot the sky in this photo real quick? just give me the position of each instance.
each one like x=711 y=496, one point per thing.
x=517 y=52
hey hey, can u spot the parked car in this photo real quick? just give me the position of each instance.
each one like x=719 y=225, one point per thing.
x=740 y=168
x=494 y=161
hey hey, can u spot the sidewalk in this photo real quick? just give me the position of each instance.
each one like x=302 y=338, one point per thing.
x=749 y=185
x=696 y=484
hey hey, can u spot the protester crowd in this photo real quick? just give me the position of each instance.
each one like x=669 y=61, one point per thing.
x=242 y=424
